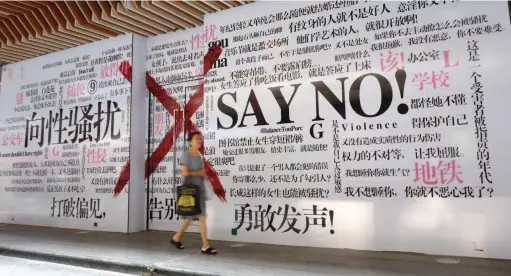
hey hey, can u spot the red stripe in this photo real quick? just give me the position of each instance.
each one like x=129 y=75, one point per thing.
x=167 y=143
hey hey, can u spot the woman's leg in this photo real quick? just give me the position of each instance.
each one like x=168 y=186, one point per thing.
x=184 y=225
x=204 y=233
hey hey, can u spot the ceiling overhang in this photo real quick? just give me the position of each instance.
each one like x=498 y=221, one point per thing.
x=32 y=28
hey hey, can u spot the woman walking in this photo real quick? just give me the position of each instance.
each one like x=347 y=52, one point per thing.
x=192 y=167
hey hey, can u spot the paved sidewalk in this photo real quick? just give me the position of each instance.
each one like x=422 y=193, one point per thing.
x=23 y=267
x=134 y=252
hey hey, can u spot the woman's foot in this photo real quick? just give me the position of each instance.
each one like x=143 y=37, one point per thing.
x=209 y=251
x=177 y=244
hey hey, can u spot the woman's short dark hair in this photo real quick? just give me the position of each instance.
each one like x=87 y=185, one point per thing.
x=191 y=135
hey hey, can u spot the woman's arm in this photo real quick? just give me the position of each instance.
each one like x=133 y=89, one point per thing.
x=185 y=160
x=186 y=172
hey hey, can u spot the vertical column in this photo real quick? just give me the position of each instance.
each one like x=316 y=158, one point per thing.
x=138 y=119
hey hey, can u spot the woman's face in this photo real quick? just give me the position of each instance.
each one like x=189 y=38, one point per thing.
x=196 y=141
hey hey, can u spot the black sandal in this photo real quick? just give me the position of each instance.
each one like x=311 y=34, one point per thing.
x=178 y=244
x=209 y=251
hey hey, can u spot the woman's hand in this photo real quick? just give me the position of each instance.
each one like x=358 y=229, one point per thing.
x=201 y=173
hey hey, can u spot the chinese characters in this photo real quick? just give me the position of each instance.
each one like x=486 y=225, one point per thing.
x=75 y=125
x=337 y=158
x=268 y=218
x=442 y=173
x=433 y=79
x=477 y=89
x=208 y=35
x=79 y=208
x=163 y=209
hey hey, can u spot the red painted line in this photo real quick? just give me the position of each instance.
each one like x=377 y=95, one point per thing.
x=167 y=143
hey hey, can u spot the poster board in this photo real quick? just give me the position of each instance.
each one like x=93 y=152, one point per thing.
x=64 y=136
x=364 y=125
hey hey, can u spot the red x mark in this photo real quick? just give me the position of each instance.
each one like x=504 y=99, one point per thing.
x=167 y=143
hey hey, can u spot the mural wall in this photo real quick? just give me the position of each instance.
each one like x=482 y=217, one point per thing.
x=64 y=137
x=365 y=125
x=344 y=124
